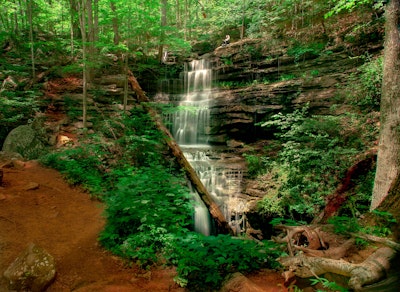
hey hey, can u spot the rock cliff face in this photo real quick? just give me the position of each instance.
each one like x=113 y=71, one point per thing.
x=253 y=82
x=250 y=91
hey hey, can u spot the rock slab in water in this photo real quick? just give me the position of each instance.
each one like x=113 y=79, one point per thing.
x=33 y=270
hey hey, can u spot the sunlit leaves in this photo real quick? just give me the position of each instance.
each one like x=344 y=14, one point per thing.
x=349 y=5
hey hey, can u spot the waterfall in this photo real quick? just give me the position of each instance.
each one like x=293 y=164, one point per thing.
x=190 y=126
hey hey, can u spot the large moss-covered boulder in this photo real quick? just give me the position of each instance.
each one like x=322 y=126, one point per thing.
x=25 y=141
x=33 y=270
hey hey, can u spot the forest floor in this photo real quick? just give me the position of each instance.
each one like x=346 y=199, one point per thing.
x=37 y=205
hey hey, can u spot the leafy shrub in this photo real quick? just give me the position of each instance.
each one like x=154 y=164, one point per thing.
x=81 y=166
x=344 y=225
x=256 y=165
x=382 y=227
x=384 y=221
x=144 y=200
x=331 y=286
x=205 y=261
x=314 y=156
x=270 y=206
x=299 y=51
x=364 y=87
x=286 y=77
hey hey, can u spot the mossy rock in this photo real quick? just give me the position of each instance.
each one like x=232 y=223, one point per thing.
x=25 y=141
x=33 y=270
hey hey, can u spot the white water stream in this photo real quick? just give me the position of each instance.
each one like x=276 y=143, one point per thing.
x=190 y=126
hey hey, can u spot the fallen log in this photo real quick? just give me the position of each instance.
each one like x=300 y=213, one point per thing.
x=372 y=270
x=222 y=224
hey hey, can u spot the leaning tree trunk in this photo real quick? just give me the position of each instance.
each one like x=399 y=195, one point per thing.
x=389 y=141
x=340 y=196
x=222 y=224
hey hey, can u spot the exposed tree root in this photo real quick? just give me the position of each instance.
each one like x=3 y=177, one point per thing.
x=373 y=269
x=332 y=253
x=314 y=252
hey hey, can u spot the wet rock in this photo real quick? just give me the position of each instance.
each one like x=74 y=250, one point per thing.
x=33 y=270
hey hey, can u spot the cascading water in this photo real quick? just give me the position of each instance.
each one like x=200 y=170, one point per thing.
x=190 y=126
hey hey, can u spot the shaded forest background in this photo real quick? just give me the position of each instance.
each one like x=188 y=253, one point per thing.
x=120 y=157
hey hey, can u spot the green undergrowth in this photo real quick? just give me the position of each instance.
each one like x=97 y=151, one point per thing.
x=149 y=208
x=310 y=159
x=384 y=222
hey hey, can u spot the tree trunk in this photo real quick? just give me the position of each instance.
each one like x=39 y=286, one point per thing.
x=82 y=20
x=223 y=226
x=178 y=15
x=162 y=33
x=71 y=32
x=115 y=23
x=126 y=70
x=91 y=23
x=29 y=12
x=389 y=141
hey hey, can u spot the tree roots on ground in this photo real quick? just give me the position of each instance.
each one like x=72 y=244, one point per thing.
x=314 y=252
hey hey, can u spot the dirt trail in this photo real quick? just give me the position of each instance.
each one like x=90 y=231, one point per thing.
x=66 y=222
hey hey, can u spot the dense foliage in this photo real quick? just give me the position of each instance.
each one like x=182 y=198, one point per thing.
x=313 y=156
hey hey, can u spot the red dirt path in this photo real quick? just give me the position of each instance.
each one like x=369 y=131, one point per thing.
x=66 y=222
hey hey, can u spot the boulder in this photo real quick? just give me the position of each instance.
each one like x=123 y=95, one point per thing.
x=25 y=141
x=33 y=270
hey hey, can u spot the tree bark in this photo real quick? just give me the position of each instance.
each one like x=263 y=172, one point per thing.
x=29 y=12
x=389 y=141
x=222 y=224
x=82 y=20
